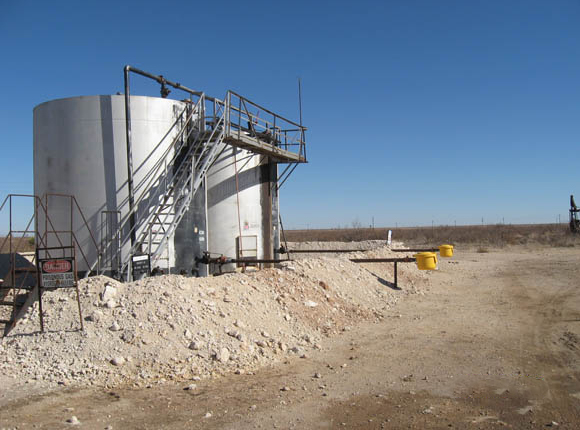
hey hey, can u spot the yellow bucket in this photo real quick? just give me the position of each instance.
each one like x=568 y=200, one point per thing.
x=446 y=250
x=426 y=260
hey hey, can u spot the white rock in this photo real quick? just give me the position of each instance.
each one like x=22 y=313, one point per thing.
x=73 y=421
x=111 y=304
x=95 y=316
x=118 y=361
x=191 y=387
x=108 y=293
x=115 y=327
x=223 y=355
x=310 y=304
x=195 y=345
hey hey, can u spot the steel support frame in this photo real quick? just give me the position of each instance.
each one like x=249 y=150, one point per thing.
x=395 y=261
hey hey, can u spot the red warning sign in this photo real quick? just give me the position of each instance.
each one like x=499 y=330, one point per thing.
x=57 y=273
x=56 y=266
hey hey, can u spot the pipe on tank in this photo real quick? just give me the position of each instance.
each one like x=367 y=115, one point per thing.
x=129 y=156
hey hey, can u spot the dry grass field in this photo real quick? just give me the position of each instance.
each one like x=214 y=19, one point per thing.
x=497 y=235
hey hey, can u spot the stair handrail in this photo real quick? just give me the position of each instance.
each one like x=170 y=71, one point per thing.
x=151 y=177
x=175 y=180
x=200 y=173
x=168 y=178
x=151 y=174
x=180 y=204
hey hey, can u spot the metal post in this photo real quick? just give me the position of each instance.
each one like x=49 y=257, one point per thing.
x=39 y=285
x=240 y=119
x=71 y=221
x=45 y=220
x=129 y=158
x=395 y=263
x=302 y=149
x=77 y=289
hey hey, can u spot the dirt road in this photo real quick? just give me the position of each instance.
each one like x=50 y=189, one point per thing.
x=494 y=342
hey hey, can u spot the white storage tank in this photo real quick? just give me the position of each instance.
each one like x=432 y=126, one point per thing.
x=80 y=149
x=240 y=207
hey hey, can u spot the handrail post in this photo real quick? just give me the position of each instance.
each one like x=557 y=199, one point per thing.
x=227 y=113
x=240 y=117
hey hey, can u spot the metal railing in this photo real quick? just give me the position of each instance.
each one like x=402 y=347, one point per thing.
x=181 y=181
x=22 y=279
x=167 y=188
x=163 y=194
x=249 y=119
x=152 y=189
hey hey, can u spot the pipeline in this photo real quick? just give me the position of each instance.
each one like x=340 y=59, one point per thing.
x=207 y=259
x=416 y=250
x=283 y=250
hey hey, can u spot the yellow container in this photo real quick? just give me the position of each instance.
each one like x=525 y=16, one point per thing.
x=426 y=260
x=446 y=250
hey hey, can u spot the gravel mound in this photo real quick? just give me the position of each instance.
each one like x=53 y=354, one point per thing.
x=179 y=328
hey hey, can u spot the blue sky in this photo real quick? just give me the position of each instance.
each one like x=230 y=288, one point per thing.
x=418 y=111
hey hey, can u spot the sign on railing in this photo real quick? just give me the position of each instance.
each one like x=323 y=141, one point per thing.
x=140 y=265
x=57 y=273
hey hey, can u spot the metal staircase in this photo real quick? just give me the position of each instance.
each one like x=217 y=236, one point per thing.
x=157 y=204
x=169 y=188
x=17 y=291
x=19 y=268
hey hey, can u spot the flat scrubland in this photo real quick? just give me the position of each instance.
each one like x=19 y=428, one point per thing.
x=485 y=236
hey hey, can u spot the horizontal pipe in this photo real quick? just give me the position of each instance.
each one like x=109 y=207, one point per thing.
x=383 y=260
x=161 y=80
x=313 y=251
x=224 y=260
x=416 y=250
x=250 y=260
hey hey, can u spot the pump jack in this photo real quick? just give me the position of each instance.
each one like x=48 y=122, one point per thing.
x=574 y=217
